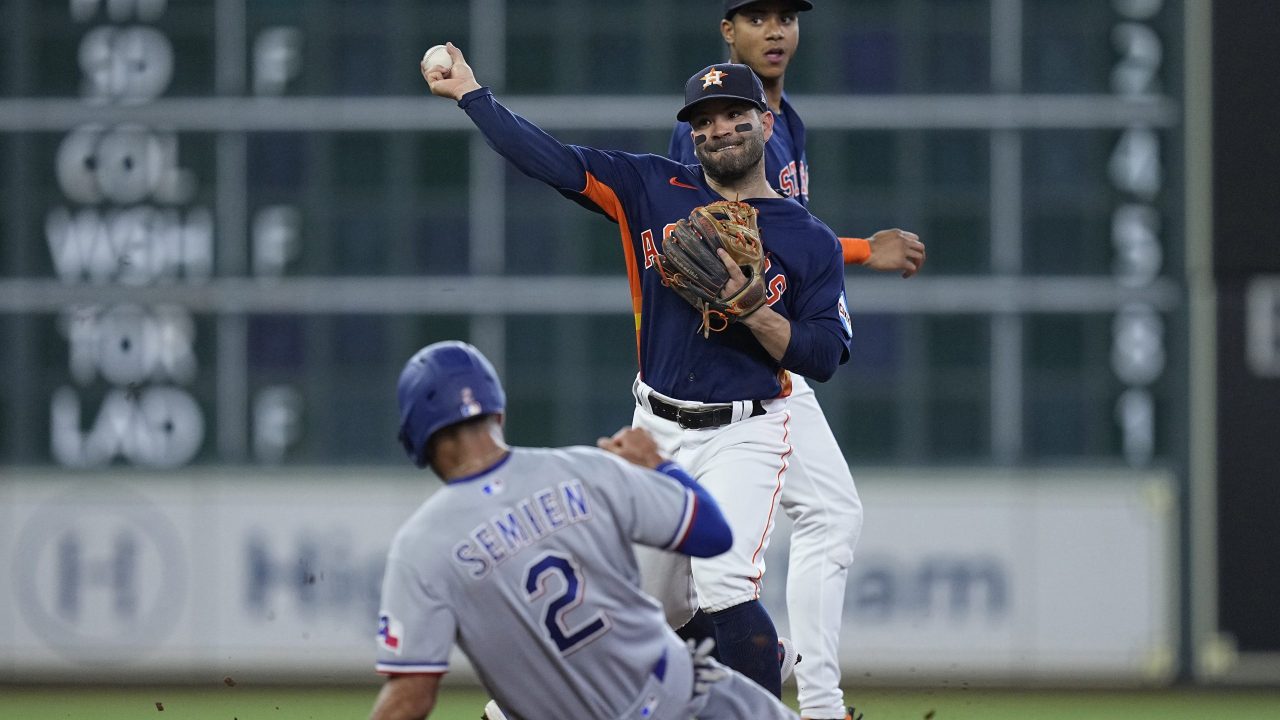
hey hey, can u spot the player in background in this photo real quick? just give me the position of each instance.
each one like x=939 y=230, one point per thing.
x=764 y=35
x=524 y=560
x=820 y=496
x=716 y=404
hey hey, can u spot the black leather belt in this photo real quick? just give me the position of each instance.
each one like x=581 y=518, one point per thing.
x=698 y=418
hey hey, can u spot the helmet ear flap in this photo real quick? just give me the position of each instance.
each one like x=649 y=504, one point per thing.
x=407 y=442
x=417 y=454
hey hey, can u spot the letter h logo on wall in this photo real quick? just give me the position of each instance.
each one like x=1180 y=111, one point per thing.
x=115 y=573
x=93 y=576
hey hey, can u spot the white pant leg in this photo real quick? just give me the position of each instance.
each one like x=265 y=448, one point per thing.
x=667 y=576
x=823 y=504
x=743 y=465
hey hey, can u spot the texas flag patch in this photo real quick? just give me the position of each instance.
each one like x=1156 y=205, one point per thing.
x=390 y=634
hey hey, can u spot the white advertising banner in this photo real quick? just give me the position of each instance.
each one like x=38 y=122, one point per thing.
x=276 y=575
x=186 y=576
x=1005 y=577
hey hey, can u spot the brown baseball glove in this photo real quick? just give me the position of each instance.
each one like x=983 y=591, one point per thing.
x=690 y=266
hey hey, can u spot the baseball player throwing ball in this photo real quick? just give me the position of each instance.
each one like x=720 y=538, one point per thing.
x=524 y=560
x=820 y=496
x=714 y=346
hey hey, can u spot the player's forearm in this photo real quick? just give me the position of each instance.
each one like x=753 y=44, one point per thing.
x=890 y=250
x=856 y=251
x=772 y=331
x=816 y=350
x=406 y=697
x=709 y=534
x=525 y=145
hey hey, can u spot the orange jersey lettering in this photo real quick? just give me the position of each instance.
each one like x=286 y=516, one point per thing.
x=650 y=249
x=775 y=286
x=787 y=179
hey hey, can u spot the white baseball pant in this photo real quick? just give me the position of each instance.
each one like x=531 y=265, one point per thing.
x=823 y=504
x=743 y=465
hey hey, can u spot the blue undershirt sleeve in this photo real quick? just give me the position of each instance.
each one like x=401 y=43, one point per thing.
x=709 y=534
x=815 y=351
x=525 y=145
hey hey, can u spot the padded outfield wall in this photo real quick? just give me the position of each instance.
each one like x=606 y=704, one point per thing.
x=959 y=576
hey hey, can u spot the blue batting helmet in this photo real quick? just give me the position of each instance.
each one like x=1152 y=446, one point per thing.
x=444 y=384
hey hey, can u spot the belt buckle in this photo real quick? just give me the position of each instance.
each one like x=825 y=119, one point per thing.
x=695 y=418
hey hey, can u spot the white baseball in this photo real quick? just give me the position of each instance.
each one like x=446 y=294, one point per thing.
x=437 y=55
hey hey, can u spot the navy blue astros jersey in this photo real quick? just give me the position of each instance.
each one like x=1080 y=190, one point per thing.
x=646 y=195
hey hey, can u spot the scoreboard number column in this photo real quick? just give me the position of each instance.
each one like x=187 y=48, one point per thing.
x=128 y=219
x=1137 y=336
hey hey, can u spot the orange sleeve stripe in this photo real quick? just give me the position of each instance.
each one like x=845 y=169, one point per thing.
x=856 y=250
x=606 y=199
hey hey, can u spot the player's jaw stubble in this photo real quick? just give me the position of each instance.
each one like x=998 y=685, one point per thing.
x=731 y=167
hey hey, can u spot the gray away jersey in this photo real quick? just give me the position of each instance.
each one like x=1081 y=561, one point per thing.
x=528 y=567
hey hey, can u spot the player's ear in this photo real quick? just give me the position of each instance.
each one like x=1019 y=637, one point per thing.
x=726 y=32
x=766 y=123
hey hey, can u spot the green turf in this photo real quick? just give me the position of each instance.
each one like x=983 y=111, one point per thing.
x=458 y=703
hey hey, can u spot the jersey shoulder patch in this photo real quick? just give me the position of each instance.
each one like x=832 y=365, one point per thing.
x=845 y=321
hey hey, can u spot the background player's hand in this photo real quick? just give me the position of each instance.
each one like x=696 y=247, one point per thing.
x=453 y=82
x=896 y=251
x=736 y=278
x=635 y=445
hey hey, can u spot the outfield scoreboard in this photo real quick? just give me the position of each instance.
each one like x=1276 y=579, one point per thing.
x=227 y=222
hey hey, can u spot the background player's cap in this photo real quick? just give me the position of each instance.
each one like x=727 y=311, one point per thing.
x=443 y=384
x=724 y=80
x=732 y=6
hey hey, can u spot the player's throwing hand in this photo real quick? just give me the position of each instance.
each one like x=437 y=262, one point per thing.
x=453 y=82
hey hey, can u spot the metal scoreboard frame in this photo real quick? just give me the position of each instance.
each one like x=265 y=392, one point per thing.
x=1234 y=285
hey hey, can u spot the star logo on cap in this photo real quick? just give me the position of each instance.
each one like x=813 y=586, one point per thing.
x=713 y=78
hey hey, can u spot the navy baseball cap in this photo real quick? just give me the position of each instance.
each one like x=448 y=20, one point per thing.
x=723 y=80
x=732 y=6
